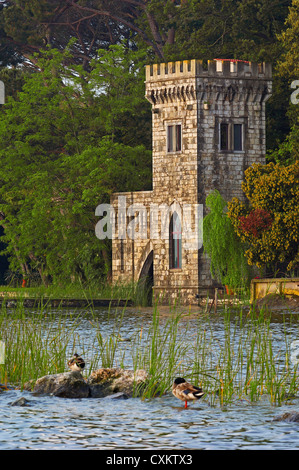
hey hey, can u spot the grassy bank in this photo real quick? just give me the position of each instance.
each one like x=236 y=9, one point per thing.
x=136 y=292
x=232 y=355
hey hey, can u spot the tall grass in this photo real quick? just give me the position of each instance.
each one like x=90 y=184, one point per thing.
x=159 y=350
x=232 y=354
x=108 y=346
x=240 y=362
x=36 y=344
x=246 y=362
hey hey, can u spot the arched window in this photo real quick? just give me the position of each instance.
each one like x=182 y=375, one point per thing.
x=175 y=242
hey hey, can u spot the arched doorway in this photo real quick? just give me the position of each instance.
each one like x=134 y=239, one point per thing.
x=146 y=279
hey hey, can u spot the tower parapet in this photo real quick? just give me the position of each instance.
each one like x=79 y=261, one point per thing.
x=215 y=80
x=228 y=68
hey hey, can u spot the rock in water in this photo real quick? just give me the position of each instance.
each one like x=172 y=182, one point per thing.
x=289 y=417
x=104 y=382
x=20 y=402
x=116 y=383
x=117 y=396
x=66 y=385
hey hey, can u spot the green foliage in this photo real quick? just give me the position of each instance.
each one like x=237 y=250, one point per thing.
x=275 y=190
x=288 y=151
x=166 y=30
x=81 y=128
x=287 y=70
x=35 y=345
x=228 y=264
x=243 y=29
x=288 y=64
x=65 y=147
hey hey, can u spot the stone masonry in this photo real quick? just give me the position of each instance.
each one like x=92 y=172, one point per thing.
x=208 y=124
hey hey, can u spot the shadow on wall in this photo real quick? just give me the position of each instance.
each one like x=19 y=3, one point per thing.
x=146 y=280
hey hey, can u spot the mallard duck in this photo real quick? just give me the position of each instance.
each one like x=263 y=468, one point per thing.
x=185 y=391
x=76 y=363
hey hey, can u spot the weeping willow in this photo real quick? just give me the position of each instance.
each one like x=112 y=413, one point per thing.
x=228 y=264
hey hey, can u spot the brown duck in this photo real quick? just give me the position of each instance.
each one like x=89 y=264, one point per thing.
x=76 y=363
x=186 y=391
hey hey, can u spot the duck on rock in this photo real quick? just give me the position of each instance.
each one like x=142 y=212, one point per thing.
x=76 y=363
x=185 y=391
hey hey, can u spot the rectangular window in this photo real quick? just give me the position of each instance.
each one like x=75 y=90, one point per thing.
x=174 y=138
x=224 y=140
x=231 y=137
x=122 y=264
x=238 y=138
x=175 y=242
x=169 y=139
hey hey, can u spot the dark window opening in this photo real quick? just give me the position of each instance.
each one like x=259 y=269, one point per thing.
x=224 y=136
x=231 y=137
x=238 y=137
x=175 y=242
x=174 y=138
x=122 y=263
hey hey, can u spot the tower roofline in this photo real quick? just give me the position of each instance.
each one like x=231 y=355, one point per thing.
x=221 y=68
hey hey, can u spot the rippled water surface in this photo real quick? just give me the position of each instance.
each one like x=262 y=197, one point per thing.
x=160 y=423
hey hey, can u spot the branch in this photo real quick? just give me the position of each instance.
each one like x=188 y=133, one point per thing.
x=156 y=46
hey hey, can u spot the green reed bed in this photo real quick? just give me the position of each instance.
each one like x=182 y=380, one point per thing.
x=160 y=349
x=36 y=344
x=242 y=361
x=234 y=354
x=107 y=347
x=248 y=361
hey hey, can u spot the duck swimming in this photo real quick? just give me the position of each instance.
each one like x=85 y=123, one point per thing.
x=185 y=391
x=76 y=363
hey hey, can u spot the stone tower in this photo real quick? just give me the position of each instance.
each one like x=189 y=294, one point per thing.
x=208 y=124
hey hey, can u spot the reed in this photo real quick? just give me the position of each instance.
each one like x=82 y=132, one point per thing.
x=232 y=355
x=247 y=363
x=241 y=363
x=159 y=350
x=108 y=346
x=36 y=344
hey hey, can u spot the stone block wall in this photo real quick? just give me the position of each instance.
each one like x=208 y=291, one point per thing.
x=198 y=97
x=130 y=252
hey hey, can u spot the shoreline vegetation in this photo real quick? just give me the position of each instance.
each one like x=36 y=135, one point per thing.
x=136 y=293
x=243 y=363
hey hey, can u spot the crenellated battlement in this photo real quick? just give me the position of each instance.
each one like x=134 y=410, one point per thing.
x=226 y=68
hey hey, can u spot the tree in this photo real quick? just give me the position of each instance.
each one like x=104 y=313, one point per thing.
x=226 y=253
x=30 y=24
x=64 y=149
x=288 y=73
x=268 y=225
x=168 y=29
x=289 y=63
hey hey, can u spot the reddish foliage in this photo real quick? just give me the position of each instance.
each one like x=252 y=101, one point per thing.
x=256 y=222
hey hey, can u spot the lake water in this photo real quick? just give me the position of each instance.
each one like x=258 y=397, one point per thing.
x=52 y=423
